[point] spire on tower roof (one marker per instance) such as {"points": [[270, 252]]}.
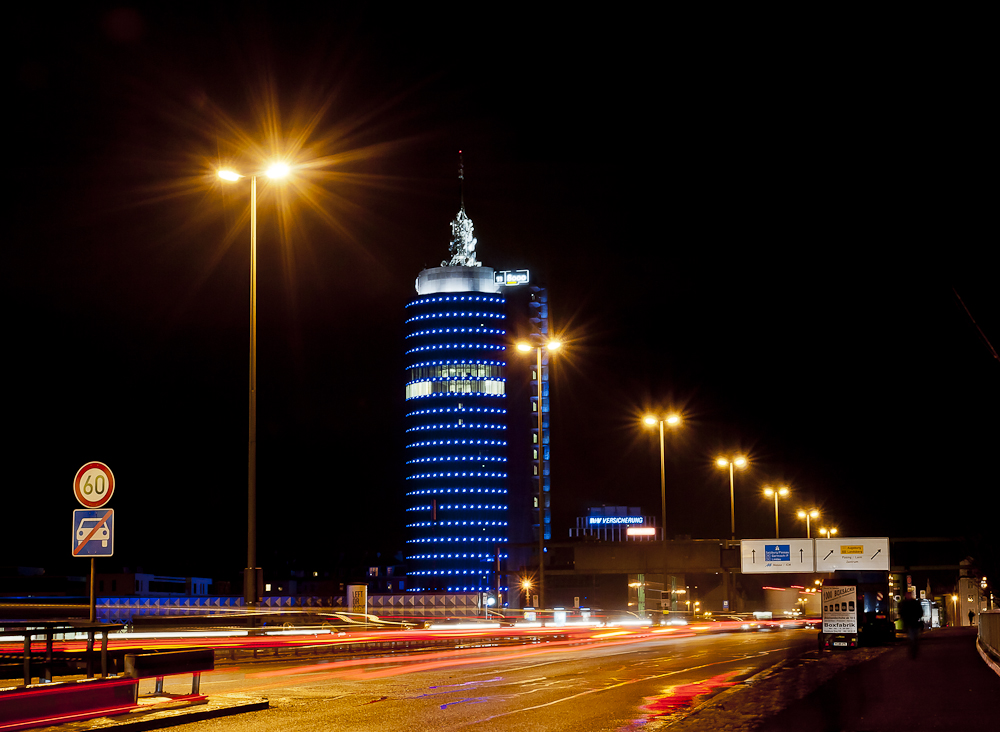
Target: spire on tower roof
{"points": [[463, 242]]}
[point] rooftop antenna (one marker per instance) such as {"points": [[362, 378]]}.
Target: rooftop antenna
{"points": [[461, 180]]}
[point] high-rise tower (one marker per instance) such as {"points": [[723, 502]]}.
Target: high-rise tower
{"points": [[468, 422]]}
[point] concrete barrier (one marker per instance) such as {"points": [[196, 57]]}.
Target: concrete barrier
{"points": [[47, 704], [989, 632]]}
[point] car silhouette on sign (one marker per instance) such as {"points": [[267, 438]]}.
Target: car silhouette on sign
{"points": [[86, 526]]}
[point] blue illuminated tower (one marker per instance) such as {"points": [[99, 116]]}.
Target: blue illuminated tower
{"points": [[456, 423], [471, 423]]}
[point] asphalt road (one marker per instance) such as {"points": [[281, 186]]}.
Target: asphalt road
{"points": [[616, 681]]}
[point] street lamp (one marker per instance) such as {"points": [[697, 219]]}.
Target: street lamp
{"points": [[550, 346], [736, 462], [808, 514], [828, 533], [250, 589], [673, 420], [783, 491]]}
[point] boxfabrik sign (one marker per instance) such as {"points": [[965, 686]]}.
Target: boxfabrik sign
{"points": [[840, 609]]}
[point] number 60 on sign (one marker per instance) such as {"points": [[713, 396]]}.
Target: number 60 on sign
{"points": [[93, 485]]}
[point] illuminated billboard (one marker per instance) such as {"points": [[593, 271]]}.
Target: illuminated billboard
{"points": [[511, 277]]}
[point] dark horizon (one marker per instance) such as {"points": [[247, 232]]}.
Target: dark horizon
{"points": [[772, 248]]}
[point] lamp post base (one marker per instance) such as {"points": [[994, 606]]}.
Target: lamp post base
{"points": [[253, 582]]}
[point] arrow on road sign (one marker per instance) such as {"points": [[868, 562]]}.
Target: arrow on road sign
{"points": [[828, 555], [875, 554]]}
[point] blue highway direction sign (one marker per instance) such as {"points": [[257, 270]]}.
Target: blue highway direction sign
{"points": [[764, 556], [93, 532]]}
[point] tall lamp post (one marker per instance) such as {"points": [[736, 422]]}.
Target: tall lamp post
{"points": [[525, 347], [809, 513], [673, 420], [783, 491], [251, 592], [735, 462], [740, 462]]}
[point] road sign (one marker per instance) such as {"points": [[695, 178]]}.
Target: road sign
{"points": [[765, 556], [93, 532], [865, 553], [93, 485]]}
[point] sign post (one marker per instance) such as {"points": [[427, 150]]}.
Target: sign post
{"points": [[93, 527]]}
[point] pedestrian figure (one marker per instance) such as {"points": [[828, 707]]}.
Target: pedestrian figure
{"points": [[972, 616], [911, 613]]}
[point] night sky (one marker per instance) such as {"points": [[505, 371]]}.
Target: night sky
{"points": [[765, 231]]}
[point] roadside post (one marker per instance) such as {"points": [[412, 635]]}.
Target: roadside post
{"points": [[93, 525]]}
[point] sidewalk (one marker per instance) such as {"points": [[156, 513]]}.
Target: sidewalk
{"points": [[947, 687]]}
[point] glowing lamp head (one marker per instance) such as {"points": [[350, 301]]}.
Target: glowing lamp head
{"points": [[650, 420], [740, 462], [553, 345], [722, 462], [673, 420], [278, 170], [230, 175], [782, 491], [524, 347], [768, 492], [813, 513], [802, 514]]}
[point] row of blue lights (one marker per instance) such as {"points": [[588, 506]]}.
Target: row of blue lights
{"points": [[457, 426], [457, 475], [456, 556], [457, 363], [457, 459], [456, 523], [452, 571], [459, 393], [472, 539], [482, 588], [442, 410], [455, 589], [457, 346], [432, 443], [493, 331], [457, 507], [435, 491], [456, 298], [499, 316]]}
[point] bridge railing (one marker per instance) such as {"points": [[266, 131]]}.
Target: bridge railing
{"points": [[989, 632]]}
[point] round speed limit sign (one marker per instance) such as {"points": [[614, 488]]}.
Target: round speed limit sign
{"points": [[93, 485]]}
